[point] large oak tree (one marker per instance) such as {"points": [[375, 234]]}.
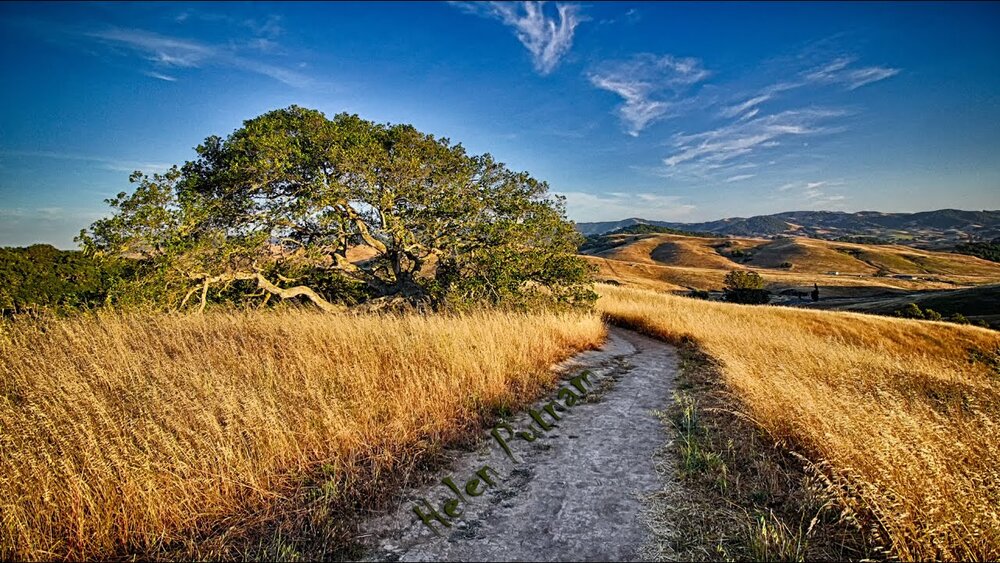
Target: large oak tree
{"points": [[342, 211]]}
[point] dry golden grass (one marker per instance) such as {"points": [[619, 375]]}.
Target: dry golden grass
{"points": [[809, 256], [128, 434], [676, 250], [894, 411], [811, 259], [679, 279]]}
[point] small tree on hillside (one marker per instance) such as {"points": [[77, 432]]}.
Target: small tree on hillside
{"points": [[745, 286], [959, 318], [910, 311]]}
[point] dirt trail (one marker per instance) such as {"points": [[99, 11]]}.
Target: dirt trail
{"points": [[575, 493]]}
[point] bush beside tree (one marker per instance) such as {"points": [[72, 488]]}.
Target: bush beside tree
{"points": [[41, 276]]}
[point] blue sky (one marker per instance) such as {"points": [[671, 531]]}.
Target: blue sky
{"points": [[673, 111]]}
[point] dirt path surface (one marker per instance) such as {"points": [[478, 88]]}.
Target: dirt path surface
{"points": [[574, 493]]}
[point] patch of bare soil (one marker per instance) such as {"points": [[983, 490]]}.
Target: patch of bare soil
{"points": [[577, 490]]}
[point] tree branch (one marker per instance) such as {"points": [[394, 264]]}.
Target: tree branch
{"points": [[186, 297], [265, 285], [204, 296], [299, 290]]}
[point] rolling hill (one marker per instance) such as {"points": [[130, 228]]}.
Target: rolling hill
{"points": [[937, 229], [668, 262]]}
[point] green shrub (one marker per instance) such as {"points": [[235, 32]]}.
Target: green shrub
{"points": [[747, 287], [911, 311], [42, 277], [958, 318]]}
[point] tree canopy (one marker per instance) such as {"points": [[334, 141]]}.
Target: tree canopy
{"points": [[745, 286], [342, 211]]}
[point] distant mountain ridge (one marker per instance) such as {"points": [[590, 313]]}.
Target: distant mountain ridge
{"points": [[944, 226]]}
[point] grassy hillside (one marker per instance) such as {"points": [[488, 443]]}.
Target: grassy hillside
{"points": [[901, 416], [805, 255], [808, 256], [673, 263], [675, 278], [673, 250], [693, 255], [146, 434]]}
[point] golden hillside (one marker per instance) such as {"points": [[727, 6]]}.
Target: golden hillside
{"points": [[673, 262], [901, 414]]}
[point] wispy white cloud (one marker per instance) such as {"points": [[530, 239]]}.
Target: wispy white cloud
{"points": [[650, 86], [583, 206], [160, 49], [839, 71], [860, 77], [741, 138], [812, 195], [750, 114], [830, 70], [167, 52], [279, 73], [816, 199], [547, 37], [751, 126], [748, 107], [153, 74], [108, 163]]}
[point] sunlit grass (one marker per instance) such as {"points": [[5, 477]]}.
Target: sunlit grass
{"points": [[903, 415], [124, 434]]}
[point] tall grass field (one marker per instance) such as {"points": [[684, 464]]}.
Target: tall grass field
{"points": [[903, 416], [126, 434]]}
